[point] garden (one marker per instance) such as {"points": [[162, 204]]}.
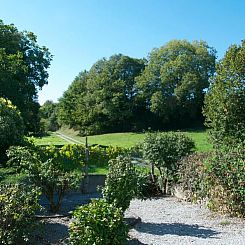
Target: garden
{"points": [[131, 126]]}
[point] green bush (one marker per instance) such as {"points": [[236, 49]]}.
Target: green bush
{"points": [[55, 171], [218, 178], [98, 223], [123, 183], [227, 181], [18, 204], [11, 126], [193, 175], [164, 150]]}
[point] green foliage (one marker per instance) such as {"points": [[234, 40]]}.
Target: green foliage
{"points": [[11, 126], [98, 223], [164, 150], [23, 70], [225, 101], [18, 204], [218, 178], [48, 114], [173, 82], [123, 183], [54, 170], [227, 174], [93, 100], [193, 176]]}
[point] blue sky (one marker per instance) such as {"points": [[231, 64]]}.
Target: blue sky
{"points": [[79, 32]]}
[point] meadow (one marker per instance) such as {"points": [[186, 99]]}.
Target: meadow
{"points": [[126, 140]]}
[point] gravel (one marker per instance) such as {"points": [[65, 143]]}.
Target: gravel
{"points": [[165, 220], [170, 221]]}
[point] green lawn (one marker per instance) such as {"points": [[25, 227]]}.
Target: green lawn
{"points": [[50, 139], [200, 138]]}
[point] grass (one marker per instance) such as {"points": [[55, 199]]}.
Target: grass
{"points": [[98, 170], [50, 139], [200, 138]]}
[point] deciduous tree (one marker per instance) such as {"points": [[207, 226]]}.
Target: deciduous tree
{"points": [[225, 101], [174, 81], [23, 71]]}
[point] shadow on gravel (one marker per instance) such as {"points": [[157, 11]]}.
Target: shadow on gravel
{"points": [[135, 242], [179, 229], [52, 233]]}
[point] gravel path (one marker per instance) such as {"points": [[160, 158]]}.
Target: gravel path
{"points": [[164, 221], [169, 221]]}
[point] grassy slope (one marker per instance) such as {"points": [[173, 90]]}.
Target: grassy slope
{"points": [[130, 139], [120, 139]]}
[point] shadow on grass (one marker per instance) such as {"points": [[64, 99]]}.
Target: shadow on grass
{"points": [[178, 229]]}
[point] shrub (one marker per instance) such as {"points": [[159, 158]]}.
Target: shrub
{"points": [[18, 204], [123, 183], [98, 223], [164, 150], [227, 181], [11, 126], [192, 176], [50, 169]]}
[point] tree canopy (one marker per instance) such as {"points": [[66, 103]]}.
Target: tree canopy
{"points": [[103, 99], [23, 71], [124, 94], [225, 101], [174, 81]]}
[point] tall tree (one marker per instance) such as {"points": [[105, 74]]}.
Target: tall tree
{"points": [[23, 71], [103, 99], [225, 101], [112, 91], [72, 108], [174, 81]]}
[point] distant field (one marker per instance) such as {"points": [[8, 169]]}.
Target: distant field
{"points": [[50, 139], [119, 139]]}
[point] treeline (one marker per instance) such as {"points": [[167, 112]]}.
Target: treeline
{"points": [[121, 93]]}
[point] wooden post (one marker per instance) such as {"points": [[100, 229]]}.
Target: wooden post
{"points": [[86, 178]]}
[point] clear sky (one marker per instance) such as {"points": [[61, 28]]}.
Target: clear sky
{"points": [[79, 32]]}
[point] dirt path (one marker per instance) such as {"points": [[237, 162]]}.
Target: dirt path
{"points": [[68, 139]]}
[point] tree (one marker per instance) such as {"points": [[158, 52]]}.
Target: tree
{"points": [[23, 70], [103, 99], [72, 109], [54, 170], [225, 101], [164, 150], [174, 81], [111, 92], [11, 126], [48, 114]]}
